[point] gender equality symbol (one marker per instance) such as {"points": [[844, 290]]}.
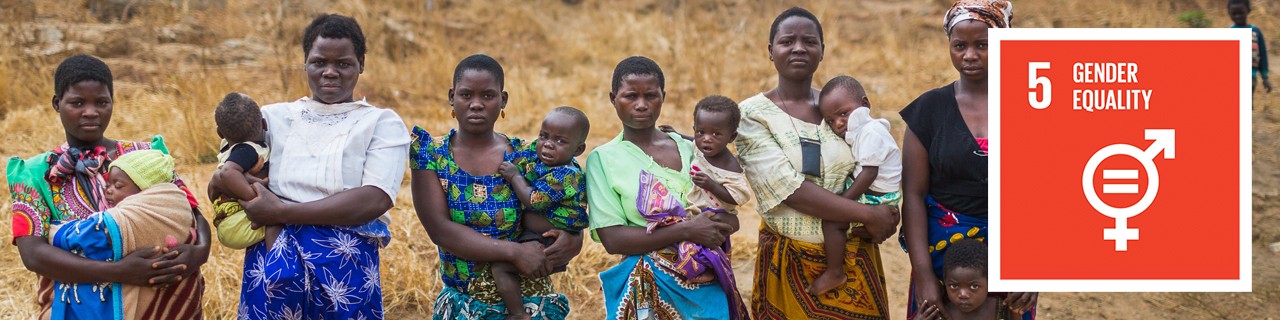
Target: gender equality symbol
{"points": [[1122, 234]]}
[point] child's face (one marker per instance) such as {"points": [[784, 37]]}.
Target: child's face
{"points": [[477, 101], [1239, 14], [835, 108], [966, 288], [712, 132], [559, 140], [119, 186]]}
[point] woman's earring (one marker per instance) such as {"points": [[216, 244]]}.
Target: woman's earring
{"points": [[453, 114], [502, 113]]}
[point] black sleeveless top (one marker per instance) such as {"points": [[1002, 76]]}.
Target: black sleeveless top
{"points": [[957, 166]]}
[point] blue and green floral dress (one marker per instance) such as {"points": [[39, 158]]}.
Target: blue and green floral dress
{"points": [[487, 205]]}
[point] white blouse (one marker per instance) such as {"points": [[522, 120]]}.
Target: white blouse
{"points": [[318, 150]]}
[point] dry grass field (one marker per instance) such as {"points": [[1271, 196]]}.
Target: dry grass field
{"points": [[174, 60]]}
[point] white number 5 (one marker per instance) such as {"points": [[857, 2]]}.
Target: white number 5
{"points": [[1033, 81]]}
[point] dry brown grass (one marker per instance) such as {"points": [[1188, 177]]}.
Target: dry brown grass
{"points": [[554, 54]]}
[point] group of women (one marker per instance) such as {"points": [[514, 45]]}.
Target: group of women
{"points": [[338, 163]]}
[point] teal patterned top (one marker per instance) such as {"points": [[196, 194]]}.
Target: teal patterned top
{"points": [[559, 193], [484, 203]]}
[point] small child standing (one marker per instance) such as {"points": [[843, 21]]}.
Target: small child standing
{"points": [[1239, 12], [846, 109], [552, 189], [146, 211], [964, 270], [242, 161]]}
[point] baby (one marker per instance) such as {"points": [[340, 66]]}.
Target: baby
{"points": [[552, 188], [146, 211], [847, 110], [241, 162]]}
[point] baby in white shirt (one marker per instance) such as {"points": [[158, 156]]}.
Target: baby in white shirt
{"points": [[847, 110]]}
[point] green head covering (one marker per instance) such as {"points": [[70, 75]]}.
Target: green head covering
{"points": [[146, 167]]}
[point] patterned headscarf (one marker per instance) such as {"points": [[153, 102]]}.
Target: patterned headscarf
{"points": [[994, 13]]}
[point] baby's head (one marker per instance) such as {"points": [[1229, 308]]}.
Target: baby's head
{"points": [[838, 98], [136, 171], [965, 274], [563, 136], [715, 124], [239, 119]]}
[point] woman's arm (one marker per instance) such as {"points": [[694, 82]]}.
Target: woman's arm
{"points": [[813, 200], [433, 212], [915, 186], [135, 268], [626, 240], [347, 208]]}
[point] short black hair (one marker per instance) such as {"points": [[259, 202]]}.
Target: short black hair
{"points": [[1244, 2], [334, 26], [966, 253], [580, 120], [637, 65], [80, 68], [795, 12], [843, 82], [238, 117], [719, 104], [479, 62]]}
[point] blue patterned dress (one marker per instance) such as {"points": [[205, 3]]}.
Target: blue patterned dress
{"points": [[488, 205]]}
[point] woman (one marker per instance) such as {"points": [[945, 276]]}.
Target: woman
{"points": [[945, 157], [617, 173], [469, 210], [781, 131], [68, 184], [337, 164]]}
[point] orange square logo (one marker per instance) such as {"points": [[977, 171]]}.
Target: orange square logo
{"points": [[1120, 160]]}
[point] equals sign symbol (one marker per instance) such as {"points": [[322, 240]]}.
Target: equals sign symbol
{"points": [[1120, 188]]}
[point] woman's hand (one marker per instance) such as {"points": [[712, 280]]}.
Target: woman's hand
{"points": [[529, 260], [1021, 302], [566, 246], [261, 210], [150, 267], [928, 291], [885, 223], [705, 231]]}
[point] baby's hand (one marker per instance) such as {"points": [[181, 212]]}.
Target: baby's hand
{"points": [[508, 170], [667, 128], [702, 180]]}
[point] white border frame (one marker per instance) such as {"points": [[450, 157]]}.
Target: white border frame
{"points": [[1244, 283]]}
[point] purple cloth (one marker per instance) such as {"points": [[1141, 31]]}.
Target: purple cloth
{"points": [[661, 209]]}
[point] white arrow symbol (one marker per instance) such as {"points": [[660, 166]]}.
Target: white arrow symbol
{"points": [[1163, 143]]}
